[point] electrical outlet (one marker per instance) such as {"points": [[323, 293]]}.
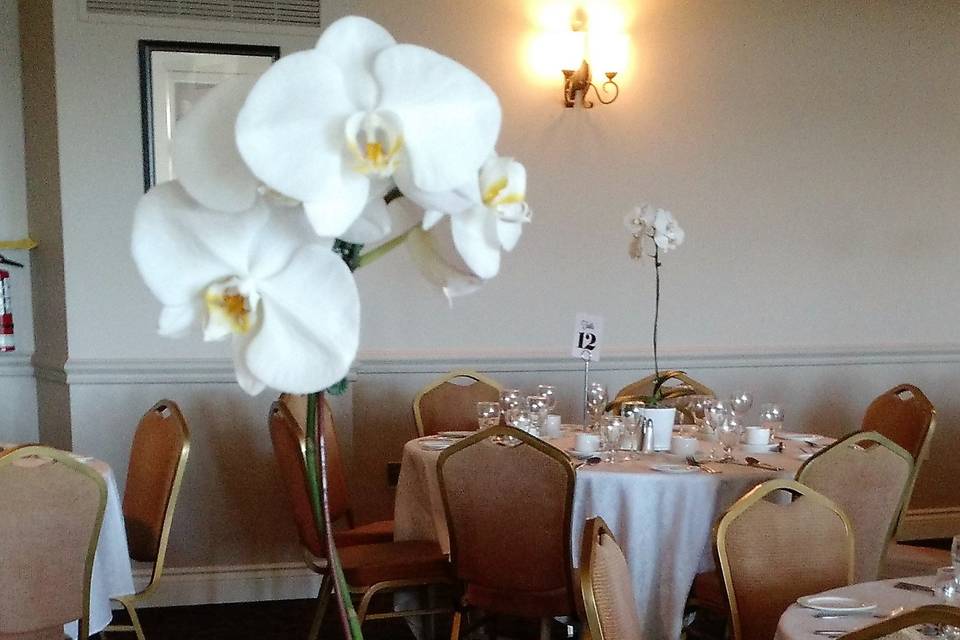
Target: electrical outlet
{"points": [[393, 473]]}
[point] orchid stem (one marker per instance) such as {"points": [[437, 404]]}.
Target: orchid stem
{"points": [[656, 312], [378, 252]]}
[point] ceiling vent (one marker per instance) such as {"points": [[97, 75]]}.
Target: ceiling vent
{"points": [[304, 13]]}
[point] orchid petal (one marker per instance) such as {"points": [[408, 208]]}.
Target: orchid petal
{"points": [[352, 42], [175, 320], [450, 117], [290, 130], [205, 156], [373, 224], [509, 234], [475, 237], [437, 260], [245, 378], [431, 218], [333, 211], [451, 201], [310, 324]]}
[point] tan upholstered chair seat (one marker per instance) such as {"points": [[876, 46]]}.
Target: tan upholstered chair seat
{"points": [[368, 564], [370, 533]]}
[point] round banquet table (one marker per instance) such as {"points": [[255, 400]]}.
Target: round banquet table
{"points": [[799, 623], [112, 574], [662, 521]]}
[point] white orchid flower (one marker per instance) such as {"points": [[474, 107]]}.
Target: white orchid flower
{"points": [[485, 216], [640, 219], [666, 232], [327, 126], [260, 276]]}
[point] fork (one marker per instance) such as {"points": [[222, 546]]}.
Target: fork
{"points": [[696, 463]]}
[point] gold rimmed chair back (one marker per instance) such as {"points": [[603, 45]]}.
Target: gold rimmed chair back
{"points": [[867, 476], [677, 384], [369, 568], [50, 518], [939, 614], [450, 403], [158, 457], [508, 509], [904, 415], [606, 586], [770, 553]]}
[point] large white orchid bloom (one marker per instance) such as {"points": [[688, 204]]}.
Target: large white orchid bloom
{"points": [[326, 126], [260, 276], [485, 216]]}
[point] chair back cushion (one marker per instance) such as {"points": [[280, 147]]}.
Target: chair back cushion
{"points": [[160, 447], [772, 553], [508, 512], [450, 404], [606, 586], [902, 414], [337, 493], [50, 517], [867, 476]]}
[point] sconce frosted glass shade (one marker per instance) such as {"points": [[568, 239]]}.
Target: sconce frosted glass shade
{"points": [[608, 52], [571, 49]]}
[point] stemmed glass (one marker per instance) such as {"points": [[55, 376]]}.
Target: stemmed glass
{"points": [[946, 589], [596, 403], [715, 416], [510, 405], [611, 428], [631, 421], [955, 554], [537, 408], [740, 403], [488, 414], [549, 392], [729, 434], [771, 417]]}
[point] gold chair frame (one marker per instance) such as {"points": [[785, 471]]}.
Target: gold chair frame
{"points": [[755, 495], [476, 376], [525, 439], [131, 601], [924, 452], [62, 457], [877, 439], [927, 614]]}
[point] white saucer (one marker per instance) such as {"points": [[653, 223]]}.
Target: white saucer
{"points": [[836, 604], [792, 435], [674, 468], [456, 434], [582, 455], [758, 448], [436, 444]]}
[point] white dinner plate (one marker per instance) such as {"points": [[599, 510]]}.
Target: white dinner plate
{"points": [[758, 448], [792, 435], [456, 434], [674, 468], [582, 455], [436, 444], [836, 604]]}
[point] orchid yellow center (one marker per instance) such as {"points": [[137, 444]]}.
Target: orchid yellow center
{"points": [[504, 199], [231, 308], [374, 141]]}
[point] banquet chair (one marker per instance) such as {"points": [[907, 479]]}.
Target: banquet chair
{"points": [[771, 553], [927, 614], [158, 457], [867, 476], [369, 569], [643, 389], [50, 518], [337, 489], [608, 602], [508, 503], [447, 405]]}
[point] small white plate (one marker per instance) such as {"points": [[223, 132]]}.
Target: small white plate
{"points": [[792, 435], [804, 456], [674, 468], [758, 448], [436, 444], [456, 434], [836, 604], [582, 455]]}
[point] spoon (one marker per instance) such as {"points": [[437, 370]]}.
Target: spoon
{"points": [[592, 460], [753, 462], [696, 463]]}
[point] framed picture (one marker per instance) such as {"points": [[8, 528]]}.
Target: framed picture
{"points": [[173, 76]]}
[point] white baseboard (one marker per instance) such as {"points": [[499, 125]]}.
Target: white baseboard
{"points": [[219, 585], [929, 524]]}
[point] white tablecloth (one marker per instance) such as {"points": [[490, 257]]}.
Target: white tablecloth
{"points": [[798, 623], [112, 574], [662, 521]]}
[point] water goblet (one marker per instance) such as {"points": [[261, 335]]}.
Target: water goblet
{"points": [[740, 403], [946, 589], [771, 417], [549, 392], [955, 553], [537, 408], [611, 427], [628, 439], [510, 405], [488, 414], [729, 435], [596, 403]]}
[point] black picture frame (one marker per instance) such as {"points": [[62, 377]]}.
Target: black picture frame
{"points": [[147, 50]]}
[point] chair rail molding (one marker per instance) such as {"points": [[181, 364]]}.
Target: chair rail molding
{"points": [[16, 366]]}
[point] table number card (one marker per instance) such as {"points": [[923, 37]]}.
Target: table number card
{"points": [[587, 337]]}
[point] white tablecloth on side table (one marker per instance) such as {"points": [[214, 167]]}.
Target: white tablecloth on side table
{"points": [[662, 521], [112, 574], [799, 623]]}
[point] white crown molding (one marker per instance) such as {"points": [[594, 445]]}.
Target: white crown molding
{"points": [[13, 365], [90, 371]]}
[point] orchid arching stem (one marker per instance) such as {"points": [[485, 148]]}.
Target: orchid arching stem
{"points": [[656, 312], [378, 252]]}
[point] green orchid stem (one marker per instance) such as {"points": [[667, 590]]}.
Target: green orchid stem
{"points": [[384, 249], [316, 451]]}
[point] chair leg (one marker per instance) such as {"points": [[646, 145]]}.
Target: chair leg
{"points": [[455, 625], [323, 597], [134, 620], [545, 628]]}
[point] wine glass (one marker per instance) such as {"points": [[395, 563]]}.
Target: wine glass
{"points": [[946, 589], [488, 414], [596, 403], [510, 405], [955, 553], [771, 417], [740, 403], [537, 408], [729, 435], [549, 392], [611, 428], [715, 415], [631, 422]]}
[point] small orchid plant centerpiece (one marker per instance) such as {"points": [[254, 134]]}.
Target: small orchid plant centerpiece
{"points": [[284, 180], [646, 224]]}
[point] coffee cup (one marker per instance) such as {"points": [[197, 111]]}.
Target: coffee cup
{"points": [[551, 427], [683, 445], [587, 443], [756, 435]]}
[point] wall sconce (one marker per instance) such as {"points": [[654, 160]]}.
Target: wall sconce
{"points": [[577, 83]]}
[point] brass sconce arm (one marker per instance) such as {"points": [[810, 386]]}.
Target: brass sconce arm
{"points": [[580, 82]]}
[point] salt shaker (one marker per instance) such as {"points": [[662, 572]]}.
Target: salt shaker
{"points": [[647, 435]]}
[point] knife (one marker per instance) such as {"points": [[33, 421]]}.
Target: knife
{"points": [[910, 586]]}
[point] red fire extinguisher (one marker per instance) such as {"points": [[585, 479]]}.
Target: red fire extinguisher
{"points": [[6, 313]]}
